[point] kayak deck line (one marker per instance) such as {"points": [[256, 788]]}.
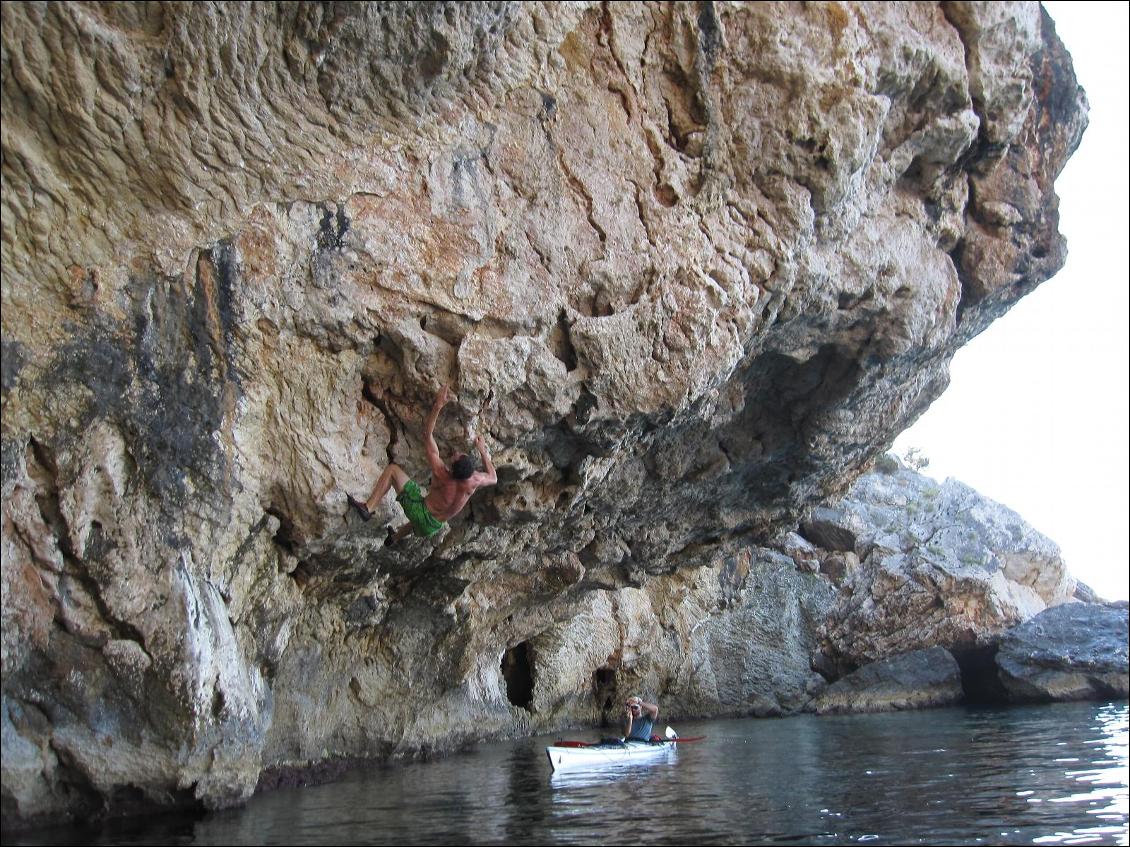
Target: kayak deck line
{"points": [[620, 741]]}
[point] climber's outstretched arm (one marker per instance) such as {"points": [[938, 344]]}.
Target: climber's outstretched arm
{"points": [[439, 469], [487, 476]]}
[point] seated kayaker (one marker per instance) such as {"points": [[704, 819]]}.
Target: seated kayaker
{"points": [[638, 719]]}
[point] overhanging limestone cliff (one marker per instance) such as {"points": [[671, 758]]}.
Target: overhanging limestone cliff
{"points": [[688, 267]]}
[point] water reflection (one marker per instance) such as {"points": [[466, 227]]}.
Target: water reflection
{"points": [[1044, 774]]}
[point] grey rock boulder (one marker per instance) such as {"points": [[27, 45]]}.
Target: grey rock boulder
{"points": [[931, 564], [1072, 652], [919, 679]]}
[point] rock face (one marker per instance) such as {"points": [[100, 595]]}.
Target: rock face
{"points": [[688, 267], [916, 680], [922, 564], [1073, 652]]}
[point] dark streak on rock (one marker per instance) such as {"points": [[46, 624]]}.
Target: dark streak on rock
{"points": [[709, 31], [166, 388], [252, 533], [76, 567], [332, 229], [12, 362]]}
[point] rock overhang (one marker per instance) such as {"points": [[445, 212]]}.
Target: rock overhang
{"points": [[689, 268]]}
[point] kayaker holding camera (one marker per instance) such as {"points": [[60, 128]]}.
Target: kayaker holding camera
{"points": [[638, 718]]}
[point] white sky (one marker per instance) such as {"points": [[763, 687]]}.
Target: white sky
{"points": [[1036, 413]]}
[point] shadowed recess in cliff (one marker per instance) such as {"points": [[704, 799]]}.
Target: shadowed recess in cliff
{"points": [[980, 679], [764, 449], [604, 690], [518, 671]]}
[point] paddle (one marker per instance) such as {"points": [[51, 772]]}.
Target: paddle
{"points": [[598, 743]]}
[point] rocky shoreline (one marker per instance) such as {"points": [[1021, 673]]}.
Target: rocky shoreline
{"points": [[1068, 650]]}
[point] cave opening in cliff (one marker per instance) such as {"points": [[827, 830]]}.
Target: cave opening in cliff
{"points": [[286, 536], [518, 671], [604, 688], [980, 680]]}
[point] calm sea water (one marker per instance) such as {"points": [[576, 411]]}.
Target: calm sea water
{"points": [[1029, 775]]}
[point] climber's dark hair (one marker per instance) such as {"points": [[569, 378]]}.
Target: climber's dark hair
{"points": [[463, 467]]}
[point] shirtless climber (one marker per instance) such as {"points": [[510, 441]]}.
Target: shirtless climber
{"points": [[450, 490]]}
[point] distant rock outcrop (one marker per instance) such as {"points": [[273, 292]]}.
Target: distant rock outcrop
{"points": [[929, 565], [688, 267]]}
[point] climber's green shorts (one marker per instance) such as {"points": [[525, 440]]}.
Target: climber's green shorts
{"points": [[423, 524]]}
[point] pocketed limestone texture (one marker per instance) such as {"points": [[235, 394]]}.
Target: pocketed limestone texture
{"points": [[688, 267]]}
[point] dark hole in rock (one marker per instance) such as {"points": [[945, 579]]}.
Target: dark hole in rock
{"points": [[562, 343], [602, 306], [390, 348], [287, 536], [518, 671], [666, 195], [979, 677], [548, 106], [370, 395], [826, 666], [301, 575], [582, 409], [913, 174], [604, 687], [128, 809], [97, 544]]}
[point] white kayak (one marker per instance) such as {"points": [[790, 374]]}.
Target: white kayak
{"points": [[577, 756]]}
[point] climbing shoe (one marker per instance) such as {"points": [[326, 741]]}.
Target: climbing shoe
{"points": [[361, 508]]}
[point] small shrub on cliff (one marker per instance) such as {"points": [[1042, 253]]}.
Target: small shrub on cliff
{"points": [[887, 464], [915, 459]]}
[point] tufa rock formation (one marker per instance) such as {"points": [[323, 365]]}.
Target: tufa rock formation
{"points": [[688, 267]]}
